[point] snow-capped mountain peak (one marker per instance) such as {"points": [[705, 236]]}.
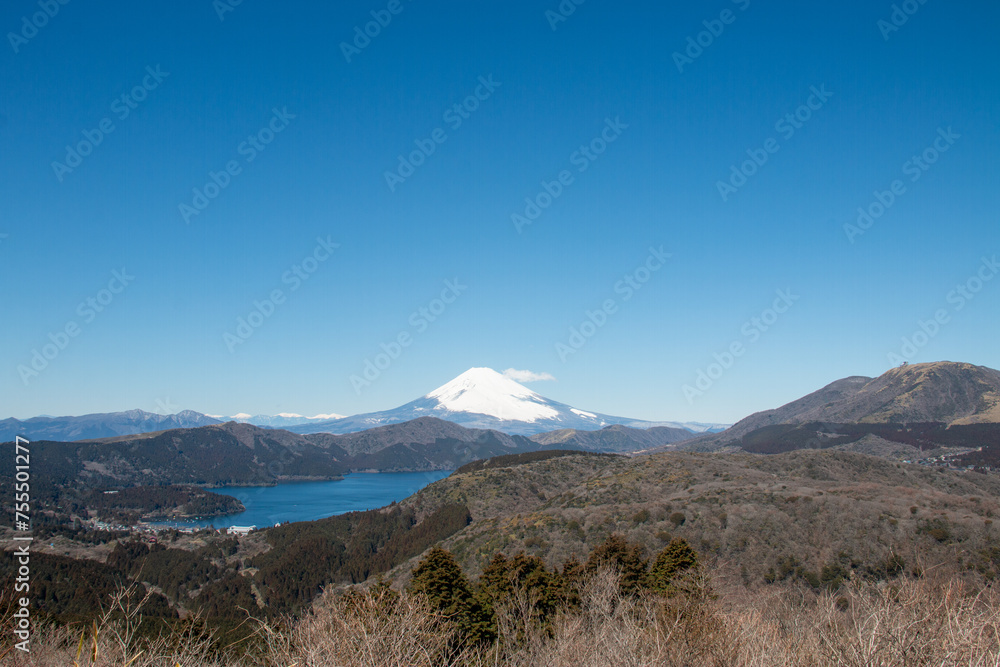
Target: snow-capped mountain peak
{"points": [[487, 392], [482, 398]]}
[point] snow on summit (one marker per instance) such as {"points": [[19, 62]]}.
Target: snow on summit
{"points": [[484, 391], [482, 398]]}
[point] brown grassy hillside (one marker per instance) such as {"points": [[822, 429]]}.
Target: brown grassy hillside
{"points": [[783, 516]]}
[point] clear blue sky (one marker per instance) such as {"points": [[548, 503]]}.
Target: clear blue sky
{"points": [[160, 341]]}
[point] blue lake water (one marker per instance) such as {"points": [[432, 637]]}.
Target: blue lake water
{"points": [[308, 501]]}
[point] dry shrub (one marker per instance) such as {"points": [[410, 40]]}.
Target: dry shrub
{"points": [[914, 624], [361, 630], [910, 623], [112, 640], [609, 629], [906, 623]]}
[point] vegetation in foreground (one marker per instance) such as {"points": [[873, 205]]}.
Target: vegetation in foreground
{"points": [[617, 608]]}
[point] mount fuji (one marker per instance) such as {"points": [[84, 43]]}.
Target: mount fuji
{"points": [[485, 399]]}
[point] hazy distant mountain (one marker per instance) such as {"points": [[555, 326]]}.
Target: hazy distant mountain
{"points": [[280, 420], [947, 393], [485, 399], [614, 438], [99, 425]]}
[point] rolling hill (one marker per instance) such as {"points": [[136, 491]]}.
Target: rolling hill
{"points": [[749, 513], [614, 438], [804, 517], [941, 400]]}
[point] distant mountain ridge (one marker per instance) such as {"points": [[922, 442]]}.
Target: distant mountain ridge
{"points": [[479, 398], [235, 454], [99, 425], [134, 422]]}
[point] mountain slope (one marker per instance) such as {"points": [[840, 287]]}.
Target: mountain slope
{"points": [[753, 513], [614, 438], [946, 393], [481, 398], [422, 431], [421, 444], [952, 393], [808, 408], [99, 425]]}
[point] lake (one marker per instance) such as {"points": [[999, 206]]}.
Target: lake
{"points": [[308, 501]]}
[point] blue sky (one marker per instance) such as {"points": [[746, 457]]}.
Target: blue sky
{"points": [[160, 340]]}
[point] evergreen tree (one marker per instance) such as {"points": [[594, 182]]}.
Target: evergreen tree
{"points": [[439, 578], [618, 553], [677, 558], [504, 577], [571, 578]]}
